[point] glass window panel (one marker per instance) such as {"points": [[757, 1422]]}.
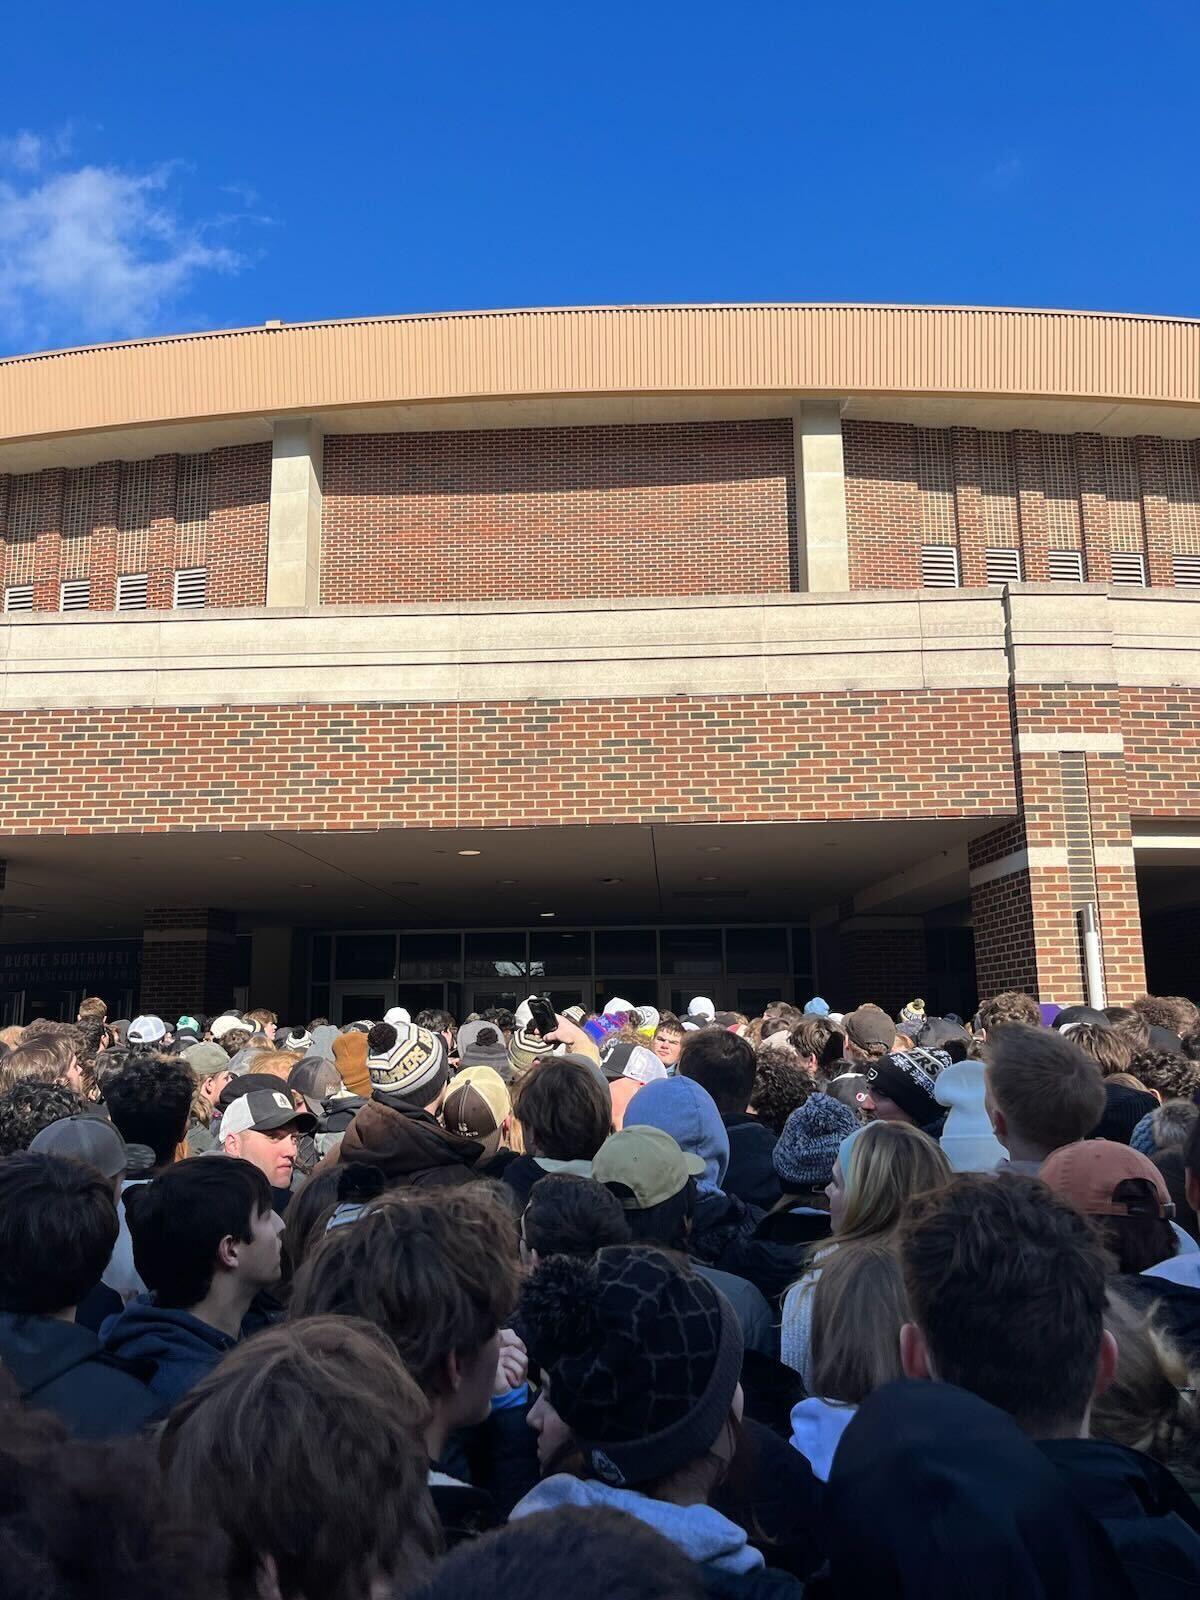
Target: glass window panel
{"points": [[801, 952], [691, 950], [361, 1007], [319, 1000], [560, 955], [755, 950], [322, 949], [430, 955], [627, 950], [495, 955], [365, 955], [638, 991], [753, 1002], [417, 997]]}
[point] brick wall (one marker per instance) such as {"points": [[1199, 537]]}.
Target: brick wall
{"points": [[1033, 492], [187, 961], [736, 758], [157, 516], [680, 508], [1162, 751]]}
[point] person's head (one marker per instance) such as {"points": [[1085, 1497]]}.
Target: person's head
{"points": [[204, 1226], [47, 1058], [1171, 1125], [1191, 1167], [1131, 1025], [1173, 1012], [1169, 1076], [28, 1107], [723, 1063], [209, 1067], [58, 1225], [1150, 1404], [264, 1128], [1004, 1009], [11, 1037], [436, 1271], [266, 1021], [478, 1105], [1109, 1049], [859, 1307], [86, 1137], [808, 1146], [314, 1079], [234, 1040], [149, 1101], [570, 1216], [409, 1062], [308, 1216], [654, 1181], [900, 1086], [1006, 1286], [668, 1041], [818, 1044], [1123, 1192], [589, 1552], [880, 1169], [565, 1110], [869, 1033], [642, 1360], [93, 1006], [304, 1448], [1042, 1091], [684, 1109], [780, 1085]]}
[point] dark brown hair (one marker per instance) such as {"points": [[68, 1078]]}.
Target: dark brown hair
{"points": [[435, 1270], [780, 1085], [572, 1216], [1171, 1011], [1007, 1284], [1012, 1005], [858, 1309], [42, 1060], [305, 1448], [1172, 1076], [1110, 1050], [93, 1006], [565, 1110], [1049, 1091], [1131, 1025]]}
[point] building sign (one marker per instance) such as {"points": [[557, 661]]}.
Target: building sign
{"points": [[71, 966]]}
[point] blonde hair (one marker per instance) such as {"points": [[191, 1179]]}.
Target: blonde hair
{"points": [[1151, 1404], [889, 1163], [859, 1306]]}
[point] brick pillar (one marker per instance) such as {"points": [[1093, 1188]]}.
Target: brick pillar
{"points": [[187, 961], [968, 502], [1156, 516], [1093, 507], [47, 555], [103, 568], [160, 558], [880, 960], [1031, 505], [1071, 845]]}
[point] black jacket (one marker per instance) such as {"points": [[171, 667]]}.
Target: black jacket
{"points": [[772, 1492], [520, 1176], [724, 1234], [751, 1172], [1178, 1308], [1153, 1526], [60, 1367], [463, 1510]]}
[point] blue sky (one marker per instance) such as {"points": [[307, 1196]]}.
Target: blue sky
{"points": [[165, 169]]}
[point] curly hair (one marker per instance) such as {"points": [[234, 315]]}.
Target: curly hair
{"points": [[28, 1107], [1012, 1005], [780, 1085], [1171, 1076], [149, 1101], [1174, 1012]]}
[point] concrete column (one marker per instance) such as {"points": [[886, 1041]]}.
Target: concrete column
{"points": [[824, 546], [294, 534]]}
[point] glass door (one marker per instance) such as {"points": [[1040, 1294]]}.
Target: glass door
{"points": [[362, 1002], [484, 996]]}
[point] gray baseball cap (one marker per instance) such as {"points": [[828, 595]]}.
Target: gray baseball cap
{"points": [[84, 1137]]}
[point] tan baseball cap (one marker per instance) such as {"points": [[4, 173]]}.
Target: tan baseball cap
{"points": [[648, 1163], [476, 1104], [1087, 1174]]}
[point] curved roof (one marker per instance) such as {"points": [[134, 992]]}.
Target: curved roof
{"points": [[646, 350]]}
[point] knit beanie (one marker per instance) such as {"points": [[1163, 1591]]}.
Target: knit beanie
{"points": [[1124, 1108], [912, 1019], [408, 1062], [967, 1140], [1142, 1138], [908, 1077], [807, 1148], [817, 1007], [643, 1357], [350, 1058], [481, 1044]]}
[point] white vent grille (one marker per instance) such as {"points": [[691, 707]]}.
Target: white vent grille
{"points": [[1128, 566], [1066, 566], [939, 566], [18, 597], [191, 586], [1003, 566], [75, 594], [1185, 571], [131, 592]]}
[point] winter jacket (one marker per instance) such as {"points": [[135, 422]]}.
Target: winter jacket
{"points": [[410, 1147], [1177, 1299], [463, 1510], [1154, 1527], [725, 1234], [795, 1333], [521, 1175], [800, 1224], [752, 1311], [773, 1494], [177, 1347], [751, 1174], [61, 1367], [817, 1429]]}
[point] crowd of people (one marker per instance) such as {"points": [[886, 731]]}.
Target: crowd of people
{"points": [[644, 1305]]}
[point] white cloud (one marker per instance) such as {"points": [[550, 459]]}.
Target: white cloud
{"points": [[92, 252]]}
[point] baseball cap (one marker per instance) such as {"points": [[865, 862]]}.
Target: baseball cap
{"points": [[84, 1137], [262, 1111], [476, 1105], [206, 1061], [226, 1024], [187, 1025], [396, 1015], [868, 1026], [646, 1161], [146, 1030], [1087, 1173]]}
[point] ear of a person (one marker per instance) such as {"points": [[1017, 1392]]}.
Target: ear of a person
{"points": [[1191, 1185], [914, 1352], [1106, 1364]]}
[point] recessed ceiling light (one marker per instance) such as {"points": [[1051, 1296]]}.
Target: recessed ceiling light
{"points": [[32, 916], [470, 852], [306, 886], [233, 858], [708, 878], [506, 883], [713, 849], [405, 883], [546, 913]]}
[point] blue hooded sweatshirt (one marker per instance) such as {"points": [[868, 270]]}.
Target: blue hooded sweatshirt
{"points": [[686, 1110], [181, 1348]]}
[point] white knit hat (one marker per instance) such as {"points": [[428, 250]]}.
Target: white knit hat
{"points": [[967, 1141]]}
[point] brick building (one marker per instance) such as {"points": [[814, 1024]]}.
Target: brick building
{"points": [[742, 651]]}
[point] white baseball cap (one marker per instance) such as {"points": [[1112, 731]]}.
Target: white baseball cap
{"points": [[261, 1111], [146, 1030], [226, 1024]]}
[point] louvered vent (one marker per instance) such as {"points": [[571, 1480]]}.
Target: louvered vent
{"points": [[131, 592], [18, 597], [191, 586], [1003, 566], [939, 566], [1066, 566], [1185, 571], [1129, 566], [75, 594]]}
